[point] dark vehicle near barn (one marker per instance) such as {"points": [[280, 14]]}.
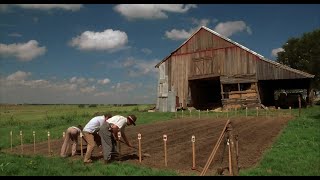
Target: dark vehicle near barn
{"points": [[286, 100]]}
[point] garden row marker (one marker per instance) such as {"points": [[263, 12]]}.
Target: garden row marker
{"points": [[299, 99], [81, 145], [139, 140], [165, 149], [229, 150], [199, 113], [246, 111], [34, 142], [290, 110], [257, 108], [193, 140], [182, 113], [49, 148], [190, 112], [11, 140], [119, 138], [207, 112], [21, 142], [278, 111]]}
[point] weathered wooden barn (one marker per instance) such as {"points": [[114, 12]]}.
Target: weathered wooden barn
{"points": [[209, 70]]}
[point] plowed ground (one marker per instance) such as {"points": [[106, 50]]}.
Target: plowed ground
{"points": [[255, 136]]}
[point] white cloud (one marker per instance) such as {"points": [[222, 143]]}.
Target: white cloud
{"points": [[151, 11], [79, 81], [182, 34], [68, 7], [109, 40], [137, 67], [15, 35], [104, 81], [125, 87], [88, 89], [22, 51], [231, 27], [146, 50], [274, 52], [18, 76]]}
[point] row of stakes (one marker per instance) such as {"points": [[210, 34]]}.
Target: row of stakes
{"points": [[165, 138], [257, 112]]}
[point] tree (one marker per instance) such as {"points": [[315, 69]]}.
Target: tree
{"points": [[303, 54]]}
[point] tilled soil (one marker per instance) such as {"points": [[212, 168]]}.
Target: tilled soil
{"points": [[255, 135]]}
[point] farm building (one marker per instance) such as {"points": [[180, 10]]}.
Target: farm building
{"points": [[209, 70]]}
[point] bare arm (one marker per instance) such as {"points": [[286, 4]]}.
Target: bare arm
{"points": [[123, 134]]}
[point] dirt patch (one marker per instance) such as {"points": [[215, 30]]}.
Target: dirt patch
{"points": [[255, 136]]}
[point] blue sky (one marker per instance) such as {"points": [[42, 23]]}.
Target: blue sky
{"points": [[106, 53]]}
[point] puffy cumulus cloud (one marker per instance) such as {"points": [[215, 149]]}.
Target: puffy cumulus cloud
{"points": [[18, 76], [109, 40], [274, 52], [104, 81], [151, 11], [231, 27], [22, 51], [181, 34], [68, 7]]}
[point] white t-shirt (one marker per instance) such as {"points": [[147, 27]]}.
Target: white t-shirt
{"points": [[118, 120], [94, 124]]}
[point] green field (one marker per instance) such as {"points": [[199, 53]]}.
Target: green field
{"points": [[296, 152]]}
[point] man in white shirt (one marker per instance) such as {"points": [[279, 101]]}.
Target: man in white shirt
{"points": [[109, 133], [90, 133]]}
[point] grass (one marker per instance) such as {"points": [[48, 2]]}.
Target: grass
{"points": [[13, 165], [296, 151]]}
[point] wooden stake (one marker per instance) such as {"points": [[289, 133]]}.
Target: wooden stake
{"points": [[299, 99], [278, 111], [230, 164], [207, 112], [193, 140], [199, 113], [11, 140], [49, 147], [257, 108], [119, 147], [81, 144], [139, 141], [246, 111], [21, 142], [34, 142], [182, 113], [165, 149], [290, 110], [190, 112]]}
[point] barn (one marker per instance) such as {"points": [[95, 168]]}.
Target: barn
{"points": [[209, 70]]}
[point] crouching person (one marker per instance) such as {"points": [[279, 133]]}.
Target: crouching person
{"points": [[71, 135]]}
